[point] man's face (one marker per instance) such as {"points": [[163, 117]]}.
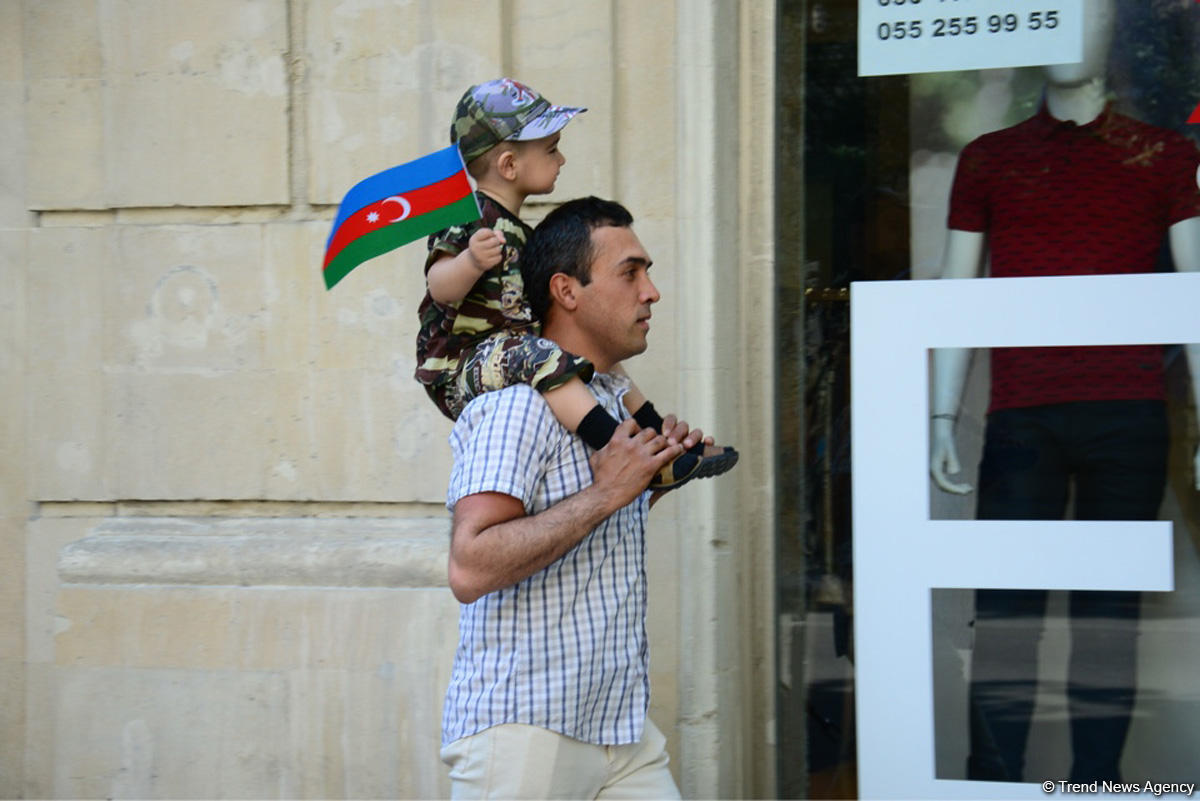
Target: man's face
{"points": [[614, 307]]}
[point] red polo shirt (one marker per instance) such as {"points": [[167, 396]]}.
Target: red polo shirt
{"points": [[1056, 198]]}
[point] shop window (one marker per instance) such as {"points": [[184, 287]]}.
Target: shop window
{"points": [[1028, 686]]}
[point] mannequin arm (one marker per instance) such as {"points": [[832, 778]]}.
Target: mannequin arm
{"points": [[949, 374], [963, 259], [1185, 250]]}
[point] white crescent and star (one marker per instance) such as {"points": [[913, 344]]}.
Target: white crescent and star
{"points": [[405, 206]]}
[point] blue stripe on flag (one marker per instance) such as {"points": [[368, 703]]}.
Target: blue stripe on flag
{"points": [[398, 180]]}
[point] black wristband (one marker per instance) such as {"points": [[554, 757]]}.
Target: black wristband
{"points": [[647, 417]]}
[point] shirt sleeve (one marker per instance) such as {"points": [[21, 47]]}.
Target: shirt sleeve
{"points": [[449, 242], [1185, 178], [498, 445], [968, 197]]}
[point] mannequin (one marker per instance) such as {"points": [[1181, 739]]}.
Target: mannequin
{"points": [[1074, 92], [1056, 416]]}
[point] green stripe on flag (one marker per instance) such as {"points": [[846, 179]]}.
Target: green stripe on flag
{"points": [[392, 236]]}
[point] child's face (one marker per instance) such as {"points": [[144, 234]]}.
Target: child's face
{"points": [[538, 162]]}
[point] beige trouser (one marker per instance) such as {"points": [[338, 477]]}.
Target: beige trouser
{"points": [[518, 761]]}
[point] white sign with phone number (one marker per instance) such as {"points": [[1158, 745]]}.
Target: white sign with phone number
{"points": [[904, 36]]}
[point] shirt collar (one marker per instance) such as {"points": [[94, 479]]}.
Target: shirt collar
{"points": [[1046, 125], [610, 383]]}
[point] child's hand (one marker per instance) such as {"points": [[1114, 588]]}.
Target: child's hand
{"points": [[486, 248]]}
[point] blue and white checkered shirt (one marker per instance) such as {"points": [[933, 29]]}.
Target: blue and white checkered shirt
{"points": [[566, 648]]}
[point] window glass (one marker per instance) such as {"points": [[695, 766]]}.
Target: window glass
{"points": [[1020, 172]]}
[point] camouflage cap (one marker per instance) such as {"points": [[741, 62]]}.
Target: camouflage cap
{"points": [[503, 110]]}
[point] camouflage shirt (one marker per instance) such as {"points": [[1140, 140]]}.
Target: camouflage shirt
{"points": [[497, 300]]}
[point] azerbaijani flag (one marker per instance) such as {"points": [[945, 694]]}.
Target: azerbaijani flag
{"points": [[396, 207]]}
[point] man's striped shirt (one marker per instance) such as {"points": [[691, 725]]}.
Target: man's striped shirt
{"points": [[566, 648]]}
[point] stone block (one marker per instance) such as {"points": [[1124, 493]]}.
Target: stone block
{"points": [[182, 336], [188, 142], [208, 434], [247, 693], [209, 299], [643, 113], [45, 539], [14, 495], [380, 437], [12, 588], [65, 129], [12, 727], [261, 552], [67, 392], [291, 289], [12, 68], [68, 448], [369, 320], [384, 79], [663, 544], [370, 735], [221, 734], [198, 94], [168, 734], [658, 370], [565, 51], [65, 279], [62, 39], [13, 211], [254, 629], [13, 253], [184, 104], [38, 751]]}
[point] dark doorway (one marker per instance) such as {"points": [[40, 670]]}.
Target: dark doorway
{"points": [[843, 215]]}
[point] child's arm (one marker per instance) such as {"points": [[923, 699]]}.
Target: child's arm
{"points": [[450, 278]]}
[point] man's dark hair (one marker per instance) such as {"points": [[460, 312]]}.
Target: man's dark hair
{"points": [[562, 243]]}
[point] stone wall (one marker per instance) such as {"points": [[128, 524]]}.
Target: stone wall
{"points": [[221, 528]]}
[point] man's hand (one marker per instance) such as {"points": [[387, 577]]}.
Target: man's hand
{"points": [[676, 430], [622, 469], [494, 544], [486, 248]]}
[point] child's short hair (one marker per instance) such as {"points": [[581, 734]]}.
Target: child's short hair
{"points": [[479, 166], [503, 110]]}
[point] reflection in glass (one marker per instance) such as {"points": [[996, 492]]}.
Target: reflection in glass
{"points": [[877, 159], [1078, 188], [1032, 685]]}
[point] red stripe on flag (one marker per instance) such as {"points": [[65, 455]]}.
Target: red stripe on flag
{"points": [[392, 209], [1195, 118]]}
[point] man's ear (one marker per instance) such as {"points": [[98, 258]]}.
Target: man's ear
{"points": [[564, 291]]}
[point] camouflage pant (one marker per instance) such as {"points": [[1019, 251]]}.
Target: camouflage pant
{"points": [[502, 360]]}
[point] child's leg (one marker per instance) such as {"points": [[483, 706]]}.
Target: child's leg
{"points": [[558, 376], [576, 408], [633, 399], [647, 416]]}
